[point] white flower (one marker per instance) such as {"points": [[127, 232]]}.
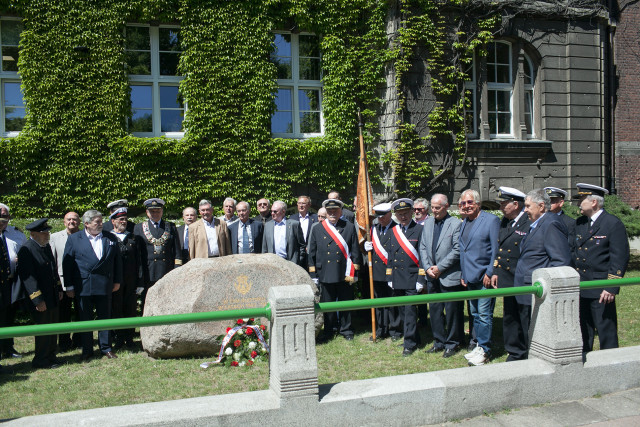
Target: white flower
{"points": [[228, 351], [241, 363], [236, 356], [263, 350], [252, 345], [239, 332]]}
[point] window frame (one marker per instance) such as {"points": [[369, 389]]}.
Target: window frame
{"points": [[156, 80], [518, 89], [296, 84], [8, 77]]}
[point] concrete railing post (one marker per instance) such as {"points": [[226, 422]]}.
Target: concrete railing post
{"points": [[555, 321], [293, 364]]}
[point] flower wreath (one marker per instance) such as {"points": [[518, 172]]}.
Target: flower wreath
{"points": [[249, 345]]}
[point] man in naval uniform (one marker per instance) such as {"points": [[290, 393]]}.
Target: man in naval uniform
{"points": [[160, 244], [601, 251], [333, 265], [113, 206], [404, 274], [514, 226], [558, 196]]}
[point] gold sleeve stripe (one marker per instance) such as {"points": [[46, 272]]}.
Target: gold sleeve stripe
{"points": [[421, 272], [35, 295], [178, 262], [389, 271], [613, 276], [312, 269]]}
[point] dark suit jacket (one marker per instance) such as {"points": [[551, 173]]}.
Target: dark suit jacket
{"points": [[379, 267], [510, 242], [257, 230], [183, 251], [601, 251], [326, 260], [296, 249], [447, 250], [401, 269], [570, 223], [478, 254], [87, 274], [545, 246], [349, 215], [39, 275], [157, 265], [313, 218]]}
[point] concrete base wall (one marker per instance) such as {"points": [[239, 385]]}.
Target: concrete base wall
{"points": [[405, 400]]}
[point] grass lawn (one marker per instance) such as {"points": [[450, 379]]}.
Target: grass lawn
{"points": [[136, 378]]}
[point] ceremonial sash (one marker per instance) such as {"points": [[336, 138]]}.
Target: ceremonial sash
{"points": [[339, 240], [404, 243], [377, 246]]}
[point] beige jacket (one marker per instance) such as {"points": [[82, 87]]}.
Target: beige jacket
{"points": [[199, 244]]}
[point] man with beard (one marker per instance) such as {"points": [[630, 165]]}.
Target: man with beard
{"points": [[333, 265], [39, 276]]}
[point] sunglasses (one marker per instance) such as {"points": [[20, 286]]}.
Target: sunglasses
{"points": [[467, 203], [418, 209]]}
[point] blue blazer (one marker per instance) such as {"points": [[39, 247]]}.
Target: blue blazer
{"points": [[545, 246], [477, 254], [256, 235], [84, 271]]}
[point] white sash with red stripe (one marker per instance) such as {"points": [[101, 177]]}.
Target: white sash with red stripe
{"points": [[339, 240], [377, 246], [404, 243]]}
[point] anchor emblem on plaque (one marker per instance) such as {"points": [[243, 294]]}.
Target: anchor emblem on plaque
{"points": [[242, 284]]}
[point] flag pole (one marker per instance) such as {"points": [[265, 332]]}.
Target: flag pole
{"points": [[367, 204]]}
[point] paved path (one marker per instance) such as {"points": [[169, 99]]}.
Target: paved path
{"points": [[620, 409]]}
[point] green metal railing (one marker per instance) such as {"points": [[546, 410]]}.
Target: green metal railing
{"points": [[209, 316]]}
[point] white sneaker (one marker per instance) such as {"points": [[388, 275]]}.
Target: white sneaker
{"points": [[472, 353], [480, 358]]}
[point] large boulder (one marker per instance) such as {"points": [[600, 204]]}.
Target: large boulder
{"points": [[214, 284]]}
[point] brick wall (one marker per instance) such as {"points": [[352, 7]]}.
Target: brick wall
{"points": [[627, 111]]}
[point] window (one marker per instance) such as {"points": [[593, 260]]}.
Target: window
{"points": [[505, 94], [299, 98], [152, 55], [13, 108]]}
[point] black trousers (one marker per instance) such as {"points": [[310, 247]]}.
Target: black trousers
{"points": [[341, 291], [102, 304], [124, 304], [516, 319], [409, 317], [7, 318], [45, 351], [383, 315], [68, 306], [447, 318], [601, 317]]}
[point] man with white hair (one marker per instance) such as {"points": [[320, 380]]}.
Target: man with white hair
{"points": [[13, 239], [229, 208], [601, 252], [209, 236]]}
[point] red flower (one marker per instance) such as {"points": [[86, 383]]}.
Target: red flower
{"points": [[251, 320], [239, 322], [249, 331], [237, 343], [263, 327], [234, 363], [249, 362], [228, 329], [254, 354]]}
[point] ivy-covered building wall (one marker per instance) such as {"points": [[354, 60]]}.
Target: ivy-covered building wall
{"points": [[454, 94]]}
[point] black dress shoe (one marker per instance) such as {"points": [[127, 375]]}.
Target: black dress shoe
{"points": [[408, 352], [450, 352], [435, 349], [348, 337], [87, 357], [12, 353], [396, 337], [110, 355]]}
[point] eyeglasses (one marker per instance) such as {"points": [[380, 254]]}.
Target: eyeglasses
{"points": [[275, 210], [467, 203], [418, 209]]}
